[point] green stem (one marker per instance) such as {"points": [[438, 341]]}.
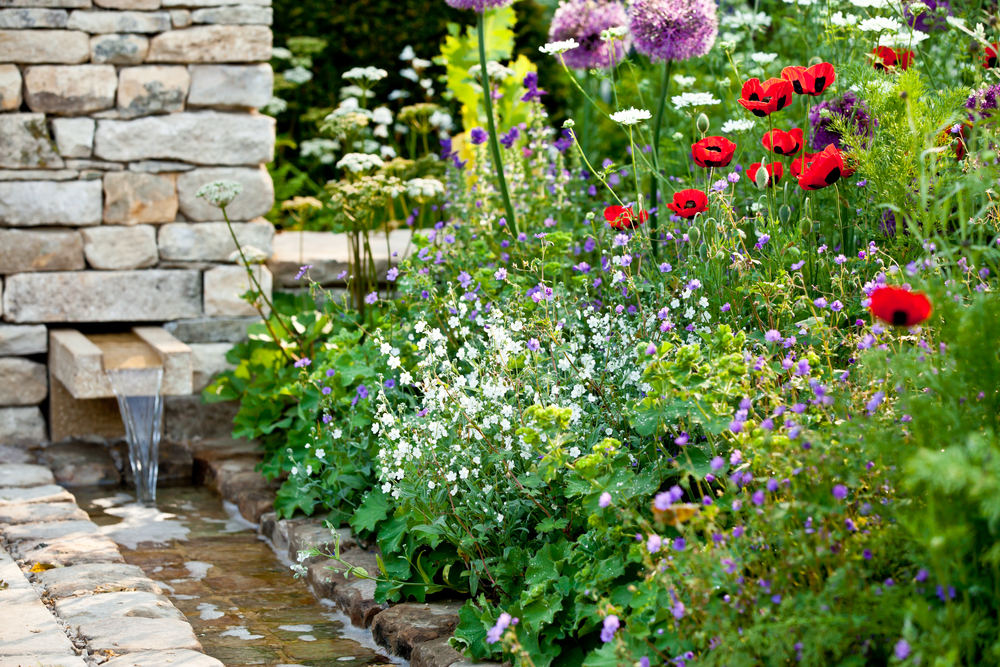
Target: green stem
{"points": [[494, 146], [653, 204]]}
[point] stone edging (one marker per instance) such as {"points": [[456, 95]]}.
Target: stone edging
{"points": [[92, 608], [416, 632]]}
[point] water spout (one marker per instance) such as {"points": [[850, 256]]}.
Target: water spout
{"points": [[138, 393]]}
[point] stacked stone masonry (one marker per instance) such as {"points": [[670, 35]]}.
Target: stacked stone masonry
{"points": [[113, 113]]}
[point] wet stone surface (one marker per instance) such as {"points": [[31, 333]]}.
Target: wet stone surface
{"points": [[244, 605]]}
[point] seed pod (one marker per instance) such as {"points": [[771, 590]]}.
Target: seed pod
{"points": [[694, 234], [794, 252], [703, 123], [784, 214], [761, 180], [815, 60], [805, 226], [703, 253], [720, 255]]}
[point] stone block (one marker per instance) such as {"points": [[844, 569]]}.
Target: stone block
{"points": [[435, 653], [203, 330], [253, 503], [26, 142], [159, 166], [23, 339], [29, 633], [152, 89], [45, 46], [23, 250], [70, 90], [129, 635], [136, 5], [119, 49], [15, 515], [49, 530], [24, 475], [95, 578], [205, 137], [329, 255], [181, 18], [81, 464], [21, 19], [64, 4], [234, 15], [103, 296], [10, 87], [175, 358], [69, 551], [98, 22], [211, 241], [357, 599], [38, 203], [120, 249], [212, 44], [15, 454], [186, 418], [214, 3], [402, 627], [74, 136], [94, 166], [70, 417], [207, 361], [255, 200], [133, 197], [48, 493], [225, 284], [22, 382], [21, 426], [126, 604], [231, 85], [179, 658], [39, 174]]}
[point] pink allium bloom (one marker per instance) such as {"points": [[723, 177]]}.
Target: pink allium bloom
{"points": [[584, 21], [478, 5], [674, 29]]}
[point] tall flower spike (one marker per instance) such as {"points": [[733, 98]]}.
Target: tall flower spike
{"points": [[674, 29], [479, 6], [584, 21]]}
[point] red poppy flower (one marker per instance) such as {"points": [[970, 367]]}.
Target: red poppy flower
{"points": [[801, 163], [774, 173], [810, 80], [688, 203], [763, 99], [713, 152], [900, 307], [783, 143], [825, 169], [622, 217], [888, 58], [990, 59]]}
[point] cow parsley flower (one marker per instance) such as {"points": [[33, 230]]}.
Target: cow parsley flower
{"points": [[685, 100], [365, 74], [555, 48], [220, 193], [359, 162], [631, 116], [737, 125]]}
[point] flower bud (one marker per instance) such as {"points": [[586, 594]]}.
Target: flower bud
{"points": [[694, 234], [805, 227], [569, 124], [784, 214], [703, 123], [815, 60], [761, 180]]}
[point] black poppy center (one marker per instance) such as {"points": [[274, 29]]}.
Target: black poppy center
{"points": [[690, 203], [900, 317], [820, 84], [714, 149], [992, 62], [833, 176], [797, 85], [754, 97]]}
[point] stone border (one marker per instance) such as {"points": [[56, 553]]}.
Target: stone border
{"points": [[416, 632], [91, 605]]}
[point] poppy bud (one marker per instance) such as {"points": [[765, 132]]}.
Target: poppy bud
{"points": [[703, 253], [794, 252], [761, 180], [720, 255], [694, 234], [815, 60], [703, 123], [784, 214], [806, 226]]}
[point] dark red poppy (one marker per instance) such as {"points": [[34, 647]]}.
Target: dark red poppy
{"points": [[774, 173], [713, 152], [688, 203], [623, 217], [801, 163], [825, 169], [763, 99], [887, 57], [899, 307], [990, 58], [783, 143], [810, 80]]}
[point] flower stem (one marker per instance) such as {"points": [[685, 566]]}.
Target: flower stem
{"points": [[494, 146], [653, 205]]}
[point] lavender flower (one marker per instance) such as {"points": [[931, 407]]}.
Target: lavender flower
{"points": [[530, 83], [584, 21], [478, 5], [477, 136], [848, 107], [674, 29]]}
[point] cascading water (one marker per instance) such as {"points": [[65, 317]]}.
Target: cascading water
{"points": [[138, 393]]}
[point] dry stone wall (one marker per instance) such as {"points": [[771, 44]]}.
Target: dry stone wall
{"points": [[113, 113]]}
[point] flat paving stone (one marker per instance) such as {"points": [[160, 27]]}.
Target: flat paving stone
{"points": [[133, 604], [163, 659], [69, 551], [128, 635], [12, 515], [402, 627], [49, 530], [48, 493], [28, 629], [95, 578], [48, 661], [24, 475]]}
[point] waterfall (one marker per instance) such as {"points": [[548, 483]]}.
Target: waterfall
{"points": [[138, 393]]}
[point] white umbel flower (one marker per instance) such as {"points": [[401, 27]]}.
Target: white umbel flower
{"points": [[763, 58], [366, 73], [737, 125], [631, 116], [424, 187], [554, 48], [220, 193], [359, 162], [880, 24], [685, 100]]}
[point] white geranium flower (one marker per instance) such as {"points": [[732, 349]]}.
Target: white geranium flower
{"points": [[685, 100], [554, 48], [631, 116], [737, 125], [365, 73], [359, 162]]}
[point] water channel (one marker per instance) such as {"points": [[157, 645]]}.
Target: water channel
{"points": [[244, 604]]}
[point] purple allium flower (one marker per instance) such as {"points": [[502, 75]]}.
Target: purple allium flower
{"points": [[848, 107], [674, 29], [584, 21], [611, 626], [478, 5], [478, 135], [604, 500], [931, 18]]}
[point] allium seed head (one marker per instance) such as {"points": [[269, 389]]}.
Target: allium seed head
{"points": [[674, 29], [584, 21]]}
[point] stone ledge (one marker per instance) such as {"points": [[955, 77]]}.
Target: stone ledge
{"points": [[95, 578], [15, 515], [402, 627], [24, 475]]}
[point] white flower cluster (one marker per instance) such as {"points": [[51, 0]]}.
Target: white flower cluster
{"points": [[494, 70], [424, 188], [555, 48], [220, 193], [365, 74], [737, 125], [631, 116], [359, 162], [686, 100]]}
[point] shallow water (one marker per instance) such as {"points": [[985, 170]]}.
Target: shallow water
{"points": [[243, 603]]}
